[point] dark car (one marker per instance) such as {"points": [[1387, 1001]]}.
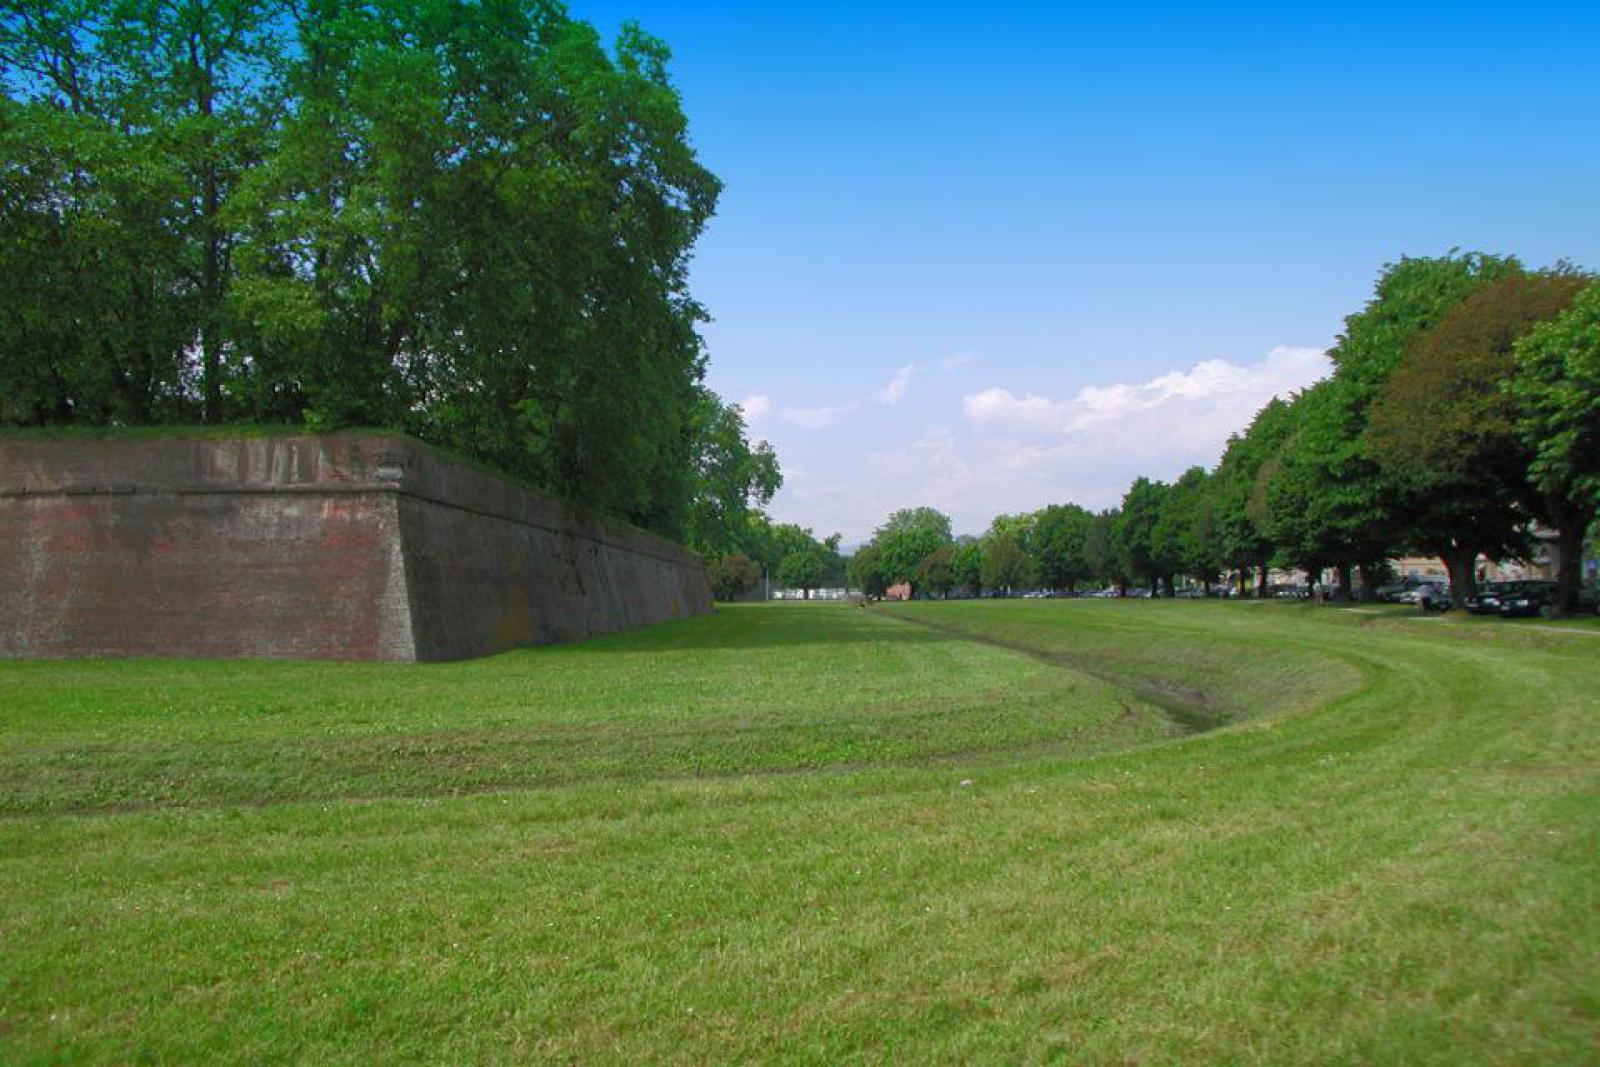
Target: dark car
{"points": [[1528, 598], [1539, 598], [1486, 601]]}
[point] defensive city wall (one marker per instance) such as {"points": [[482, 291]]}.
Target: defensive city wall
{"points": [[362, 546]]}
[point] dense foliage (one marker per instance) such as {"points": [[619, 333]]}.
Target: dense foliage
{"points": [[471, 222]]}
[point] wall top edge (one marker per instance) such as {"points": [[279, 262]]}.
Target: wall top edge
{"points": [[294, 464]]}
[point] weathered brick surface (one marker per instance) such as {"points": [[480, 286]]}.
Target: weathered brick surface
{"points": [[344, 546]]}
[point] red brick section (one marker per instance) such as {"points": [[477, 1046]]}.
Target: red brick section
{"points": [[343, 546]]}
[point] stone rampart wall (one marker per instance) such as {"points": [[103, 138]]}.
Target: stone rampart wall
{"points": [[341, 546]]}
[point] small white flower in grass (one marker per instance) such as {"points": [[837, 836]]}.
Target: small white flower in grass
{"points": [[965, 782]]}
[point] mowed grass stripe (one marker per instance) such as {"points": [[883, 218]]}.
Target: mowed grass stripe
{"points": [[738, 692], [1401, 871]]}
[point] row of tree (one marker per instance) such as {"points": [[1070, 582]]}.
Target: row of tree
{"points": [[1461, 419], [781, 555], [1057, 547], [468, 221]]}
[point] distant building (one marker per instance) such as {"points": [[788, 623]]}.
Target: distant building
{"points": [[898, 591]]}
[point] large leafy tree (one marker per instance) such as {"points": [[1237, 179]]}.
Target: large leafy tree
{"points": [[1006, 565], [866, 571], [731, 479], [1186, 531], [1143, 556], [935, 572], [125, 127], [1021, 527], [906, 538], [732, 574], [966, 565], [1057, 545], [1244, 540], [804, 569], [771, 543], [472, 222], [1103, 551], [1313, 514], [1331, 502], [1556, 388], [1444, 427]]}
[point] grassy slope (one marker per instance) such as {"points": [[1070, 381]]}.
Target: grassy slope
{"points": [[1392, 857]]}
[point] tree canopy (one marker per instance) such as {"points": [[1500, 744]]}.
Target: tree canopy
{"points": [[1442, 425], [468, 222], [906, 538], [1557, 392]]}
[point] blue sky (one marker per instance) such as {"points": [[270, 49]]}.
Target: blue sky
{"points": [[1098, 237]]}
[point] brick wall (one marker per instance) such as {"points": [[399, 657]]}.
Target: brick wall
{"points": [[341, 546]]}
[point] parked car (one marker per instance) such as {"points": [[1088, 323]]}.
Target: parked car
{"points": [[1395, 591], [1539, 598], [1486, 601], [1529, 598], [1438, 595]]}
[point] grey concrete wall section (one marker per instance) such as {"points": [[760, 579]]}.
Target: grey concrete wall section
{"points": [[345, 546]]}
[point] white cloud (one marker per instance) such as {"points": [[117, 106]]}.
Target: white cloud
{"points": [[1002, 406], [812, 418], [891, 393], [755, 408], [1023, 450], [1019, 450], [1207, 402]]}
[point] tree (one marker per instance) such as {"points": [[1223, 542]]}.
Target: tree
{"points": [[804, 569], [1059, 535], [1103, 553], [472, 223], [1020, 527], [1005, 565], [1136, 534], [935, 573], [125, 127], [906, 538], [866, 571], [1310, 513], [732, 574], [731, 480], [1330, 502], [1243, 536], [1185, 532], [1444, 427], [966, 565], [1556, 389]]}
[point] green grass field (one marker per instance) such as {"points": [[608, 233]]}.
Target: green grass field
{"points": [[1043, 831]]}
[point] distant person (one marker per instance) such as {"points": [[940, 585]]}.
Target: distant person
{"points": [[1425, 597]]}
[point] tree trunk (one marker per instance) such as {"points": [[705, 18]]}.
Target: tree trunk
{"points": [[1262, 583], [1367, 589], [1344, 593], [211, 237], [1569, 561], [1458, 561]]}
